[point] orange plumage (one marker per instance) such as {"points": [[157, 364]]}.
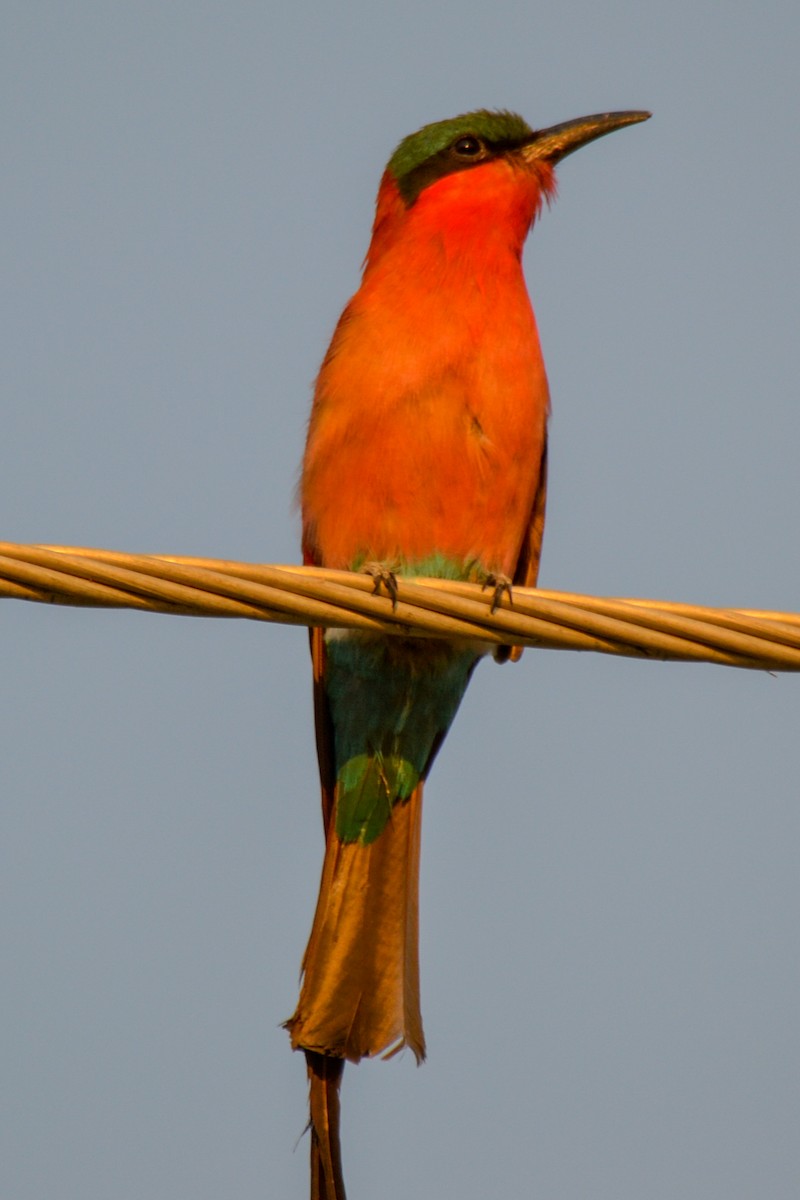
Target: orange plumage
{"points": [[429, 417], [426, 454]]}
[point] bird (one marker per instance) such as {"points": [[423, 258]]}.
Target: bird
{"points": [[426, 455]]}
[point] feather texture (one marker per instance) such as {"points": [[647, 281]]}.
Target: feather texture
{"points": [[425, 454]]}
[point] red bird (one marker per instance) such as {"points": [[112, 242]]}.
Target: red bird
{"points": [[426, 455]]}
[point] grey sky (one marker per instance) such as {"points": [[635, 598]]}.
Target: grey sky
{"points": [[609, 875]]}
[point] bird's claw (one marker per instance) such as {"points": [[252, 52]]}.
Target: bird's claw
{"points": [[502, 586], [382, 577]]}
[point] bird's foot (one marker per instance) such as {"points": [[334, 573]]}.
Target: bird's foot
{"points": [[502, 587], [382, 577]]}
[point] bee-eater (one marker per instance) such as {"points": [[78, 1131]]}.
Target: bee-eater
{"points": [[426, 455]]}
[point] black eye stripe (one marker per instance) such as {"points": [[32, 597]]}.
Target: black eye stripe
{"points": [[464, 152]]}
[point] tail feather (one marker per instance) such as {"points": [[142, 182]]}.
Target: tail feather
{"points": [[324, 1078], [360, 991], [381, 714]]}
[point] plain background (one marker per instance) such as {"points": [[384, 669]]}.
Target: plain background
{"points": [[610, 889]]}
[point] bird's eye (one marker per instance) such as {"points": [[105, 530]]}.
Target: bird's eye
{"points": [[468, 146]]}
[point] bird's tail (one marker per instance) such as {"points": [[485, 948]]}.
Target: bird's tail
{"points": [[360, 991], [324, 1077], [381, 714]]}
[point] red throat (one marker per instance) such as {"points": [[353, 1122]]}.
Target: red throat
{"points": [[487, 209]]}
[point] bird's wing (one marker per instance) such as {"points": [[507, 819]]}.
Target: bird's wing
{"points": [[527, 569], [323, 726]]}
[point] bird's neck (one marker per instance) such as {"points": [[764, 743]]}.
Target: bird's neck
{"points": [[469, 223]]}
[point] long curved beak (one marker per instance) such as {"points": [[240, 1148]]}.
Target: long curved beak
{"points": [[558, 141]]}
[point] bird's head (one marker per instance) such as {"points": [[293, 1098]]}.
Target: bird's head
{"points": [[489, 162], [479, 138]]}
